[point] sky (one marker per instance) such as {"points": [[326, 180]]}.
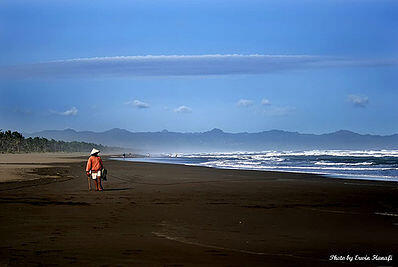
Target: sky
{"points": [[312, 66]]}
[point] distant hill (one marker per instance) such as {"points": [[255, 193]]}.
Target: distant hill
{"points": [[218, 140]]}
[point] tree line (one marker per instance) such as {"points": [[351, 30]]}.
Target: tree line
{"points": [[15, 142]]}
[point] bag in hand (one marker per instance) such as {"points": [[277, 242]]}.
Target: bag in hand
{"points": [[104, 172]]}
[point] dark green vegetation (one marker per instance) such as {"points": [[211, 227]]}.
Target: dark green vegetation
{"points": [[14, 142]]}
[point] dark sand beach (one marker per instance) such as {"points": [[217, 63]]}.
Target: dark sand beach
{"points": [[173, 215]]}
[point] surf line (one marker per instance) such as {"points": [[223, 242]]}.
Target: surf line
{"points": [[176, 239], [334, 211], [387, 214], [354, 213]]}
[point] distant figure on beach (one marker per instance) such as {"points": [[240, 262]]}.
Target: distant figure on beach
{"points": [[93, 170], [124, 155]]}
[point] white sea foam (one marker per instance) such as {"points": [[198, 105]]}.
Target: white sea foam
{"points": [[335, 153], [221, 163], [387, 214], [267, 158], [324, 163]]}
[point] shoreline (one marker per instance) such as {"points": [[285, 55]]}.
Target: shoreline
{"points": [[154, 214], [325, 175]]}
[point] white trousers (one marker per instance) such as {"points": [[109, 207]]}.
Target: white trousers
{"points": [[95, 175]]}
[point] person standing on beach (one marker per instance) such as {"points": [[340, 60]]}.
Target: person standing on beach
{"points": [[93, 169]]}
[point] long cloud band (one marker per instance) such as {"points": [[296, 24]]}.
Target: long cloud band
{"points": [[179, 65]]}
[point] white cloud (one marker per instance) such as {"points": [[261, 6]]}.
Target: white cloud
{"points": [[244, 103], [138, 104], [70, 112], [358, 101], [179, 65], [183, 109], [265, 102]]}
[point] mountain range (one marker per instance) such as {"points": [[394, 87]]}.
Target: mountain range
{"points": [[218, 140]]}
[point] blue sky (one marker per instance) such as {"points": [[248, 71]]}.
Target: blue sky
{"points": [[309, 66]]}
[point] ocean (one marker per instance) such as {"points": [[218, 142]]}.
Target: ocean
{"points": [[367, 164]]}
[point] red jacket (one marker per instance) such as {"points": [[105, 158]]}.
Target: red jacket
{"points": [[94, 164]]}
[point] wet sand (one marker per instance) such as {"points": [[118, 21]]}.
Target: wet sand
{"points": [[172, 215]]}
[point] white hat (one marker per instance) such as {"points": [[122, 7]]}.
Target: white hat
{"points": [[94, 151]]}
